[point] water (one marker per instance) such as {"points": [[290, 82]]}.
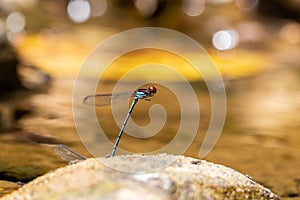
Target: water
{"points": [[260, 138]]}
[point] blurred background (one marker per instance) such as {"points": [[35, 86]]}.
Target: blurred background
{"points": [[254, 43]]}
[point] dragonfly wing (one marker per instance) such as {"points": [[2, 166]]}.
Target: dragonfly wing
{"points": [[68, 154], [98, 100], [118, 97], [106, 99]]}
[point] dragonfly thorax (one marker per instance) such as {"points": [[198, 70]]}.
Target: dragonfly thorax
{"points": [[145, 93]]}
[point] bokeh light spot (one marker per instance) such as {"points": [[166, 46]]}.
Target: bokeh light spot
{"points": [[15, 22], [247, 5], [225, 39], [290, 32], [146, 7], [193, 7], [79, 10], [98, 7]]}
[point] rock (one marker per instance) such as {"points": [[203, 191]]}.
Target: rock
{"points": [[17, 83], [9, 80], [9, 83], [184, 178], [7, 187]]}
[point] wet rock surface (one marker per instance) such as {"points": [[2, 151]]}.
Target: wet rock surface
{"points": [[181, 178]]}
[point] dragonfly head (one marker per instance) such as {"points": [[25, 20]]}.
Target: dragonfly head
{"points": [[152, 90]]}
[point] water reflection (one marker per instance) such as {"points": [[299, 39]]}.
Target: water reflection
{"points": [[270, 102]]}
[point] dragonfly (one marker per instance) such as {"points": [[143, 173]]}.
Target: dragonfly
{"points": [[108, 99], [104, 100]]}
